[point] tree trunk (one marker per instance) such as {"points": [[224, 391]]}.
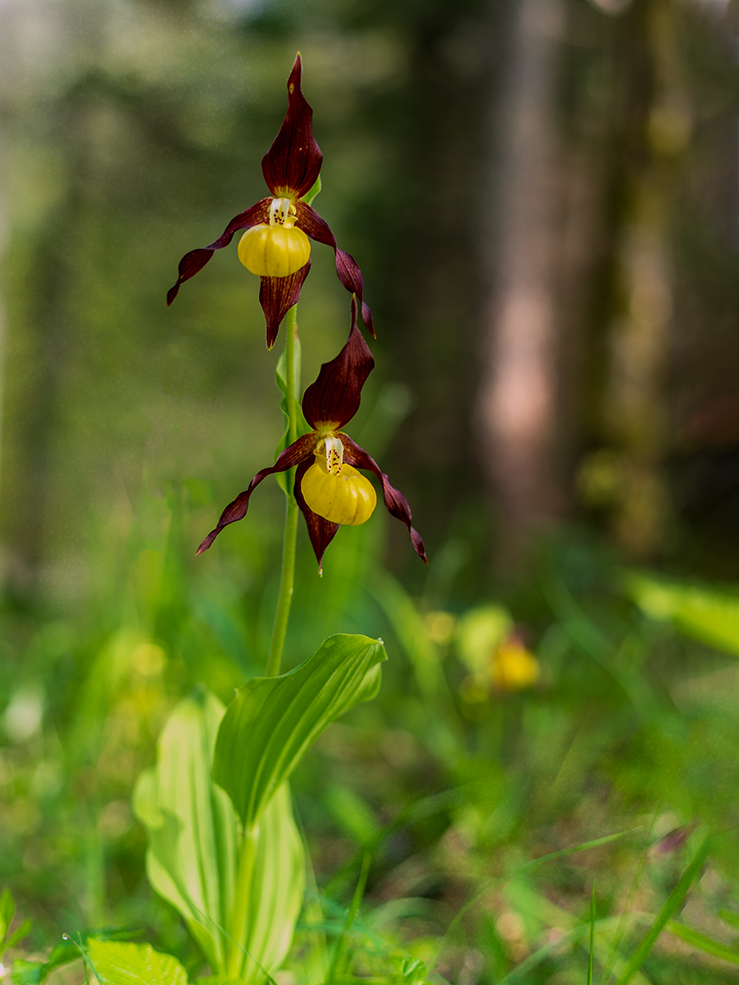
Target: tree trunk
{"points": [[517, 402]]}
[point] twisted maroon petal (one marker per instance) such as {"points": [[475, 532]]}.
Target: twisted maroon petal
{"points": [[293, 162], [335, 396], [307, 219], [347, 268], [395, 501], [350, 276], [320, 531], [298, 451], [195, 260], [277, 295]]}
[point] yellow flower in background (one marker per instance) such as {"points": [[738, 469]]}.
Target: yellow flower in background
{"points": [[513, 667], [480, 632], [493, 650]]}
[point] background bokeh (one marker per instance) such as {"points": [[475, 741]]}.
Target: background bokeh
{"points": [[543, 196]]}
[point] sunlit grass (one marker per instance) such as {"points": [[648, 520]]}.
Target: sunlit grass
{"points": [[481, 817]]}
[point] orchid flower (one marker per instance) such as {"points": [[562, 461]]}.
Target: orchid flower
{"points": [[276, 243], [329, 489]]}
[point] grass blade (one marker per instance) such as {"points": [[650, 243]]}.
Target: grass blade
{"points": [[620, 930], [521, 870], [669, 907], [701, 941], [592, 937], [521, 973], [728, 916], [562, 852]]}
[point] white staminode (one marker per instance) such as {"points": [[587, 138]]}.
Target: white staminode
{"points": [[281, 211], [334, 451]]}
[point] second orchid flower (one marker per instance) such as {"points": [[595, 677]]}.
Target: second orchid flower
{"points": [[328, 488]]}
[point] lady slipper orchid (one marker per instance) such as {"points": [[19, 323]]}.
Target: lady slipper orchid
{"points": [[276, 244], [329, 489]]}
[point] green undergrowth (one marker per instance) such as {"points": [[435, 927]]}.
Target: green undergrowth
{"points": [[579, 826]]}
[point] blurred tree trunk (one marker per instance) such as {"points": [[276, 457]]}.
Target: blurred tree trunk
{"points": [[39, 346], [516, 409], [3, 241], [41, 331], [526, 377], [624, 413]]}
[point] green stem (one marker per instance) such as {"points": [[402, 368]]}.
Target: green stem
{"points": [[239, 910], [287, 579]]}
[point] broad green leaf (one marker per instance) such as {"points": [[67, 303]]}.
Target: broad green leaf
{"points": [[67, 950], [193, 830], [194, 841], [710, 615], [703, 942], [28, 972], [133, 964], [217, 980], [276, 895], [272, 721]]}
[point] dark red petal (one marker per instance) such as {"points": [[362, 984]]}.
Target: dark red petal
{"points": [[195, 260], [349, 273], [350, 276], [277, 295], [293, 162], [395, 501], [335, 396], [320, 531], [298, 451], [347, 268], [307, 219]]}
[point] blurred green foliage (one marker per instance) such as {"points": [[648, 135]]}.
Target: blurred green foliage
{"points": [[632, 728]]}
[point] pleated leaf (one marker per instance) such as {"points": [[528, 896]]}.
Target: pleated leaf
{"points": [[133, 964], [194, 839], [272, 721], [277, 887], [193, 830]]}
